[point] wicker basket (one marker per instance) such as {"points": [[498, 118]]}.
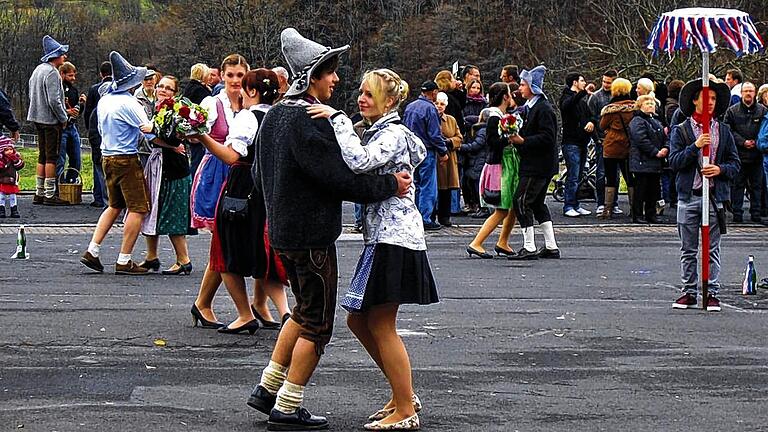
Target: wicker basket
{"points": [[72, 192]]}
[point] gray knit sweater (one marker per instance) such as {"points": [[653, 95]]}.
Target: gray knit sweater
{"points": [[46, 96]]}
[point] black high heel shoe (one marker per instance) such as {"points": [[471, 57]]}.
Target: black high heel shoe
{"points": [[250, 327], [180, 269], [197, 317], [152, 265], [503, 252], [269, 325], [472, 251]]}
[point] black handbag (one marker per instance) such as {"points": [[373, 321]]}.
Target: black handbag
{"points": [[234, 209], [492, 197]]}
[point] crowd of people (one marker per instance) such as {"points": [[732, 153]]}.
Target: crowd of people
{"points": [[269, 176]]}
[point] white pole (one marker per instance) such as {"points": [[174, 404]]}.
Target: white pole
{"points": [[705, 159]]}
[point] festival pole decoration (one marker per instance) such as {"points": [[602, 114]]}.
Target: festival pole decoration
{"points": [[682, 29]]}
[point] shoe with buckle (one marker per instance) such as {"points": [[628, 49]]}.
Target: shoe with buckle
{"points": [[583, 211], [546, 253], [262, 400], [713, 304], [92, 262], [130, 268], [571, 213], [300, 420], [55, 201], [523, 255], [178, 269], [686, 301], [386, 412], [409, 424]]}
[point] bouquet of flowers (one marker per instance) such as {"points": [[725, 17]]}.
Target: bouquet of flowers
{"points": [[510, 125], [180, 117]]}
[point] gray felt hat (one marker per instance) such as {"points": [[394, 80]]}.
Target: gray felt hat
{"points": [[126, 76], [303, 56]]}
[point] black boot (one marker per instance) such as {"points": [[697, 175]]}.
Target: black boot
{"points": [[14, 212]]}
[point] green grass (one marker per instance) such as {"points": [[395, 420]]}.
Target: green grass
{"points": [[27, 174]]}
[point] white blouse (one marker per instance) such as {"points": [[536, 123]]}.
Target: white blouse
{"points": [[243, 129], [209, 103]]}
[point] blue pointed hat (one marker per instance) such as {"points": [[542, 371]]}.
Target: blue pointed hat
{"points": [[534, 78], [125, 76], [52, 49]]}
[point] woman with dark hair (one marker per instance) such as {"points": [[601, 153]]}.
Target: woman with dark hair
{"points": [[210, 176], [500, 151], [614, 120], [240, 215], [169, 184]]}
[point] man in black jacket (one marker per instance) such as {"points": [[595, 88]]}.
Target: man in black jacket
{"points": [[745, 118], [91, 120], [577, 127], [537, 145], [304, 180]]}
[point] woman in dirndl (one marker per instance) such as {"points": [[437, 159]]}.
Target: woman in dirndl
{"points": [[169, 184], [209, 179], [393, 267], [503, 163], [240, 222]]}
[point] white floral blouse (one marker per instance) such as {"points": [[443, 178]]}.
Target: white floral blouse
{"points": [[387, 147]]}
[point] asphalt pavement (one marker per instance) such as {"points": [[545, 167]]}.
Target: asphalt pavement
{"points": [[586, 343]]}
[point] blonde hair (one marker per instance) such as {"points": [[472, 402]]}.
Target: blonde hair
{"points": [[621, 87], [67, 67], [643, 99], [646, 84], [199, 72], [444, 80], [384, 83], [761, 93]]}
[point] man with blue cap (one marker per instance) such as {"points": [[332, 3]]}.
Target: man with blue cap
{"points": [[48, 113], [537, 145], [121, 121]]}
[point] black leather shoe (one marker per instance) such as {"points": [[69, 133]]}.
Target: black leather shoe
{"points": [[198, 317], [153, 265], [184, 269], [250, 327], [503, 252], [269, 325], [472, 251], [261, 400], [524, 254], [298, 421], [545, 253]]}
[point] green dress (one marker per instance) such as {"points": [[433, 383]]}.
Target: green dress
{"points": [[510, 166]]}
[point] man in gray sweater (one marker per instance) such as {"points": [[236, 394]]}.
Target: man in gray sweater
{"points": [[47, 112]]}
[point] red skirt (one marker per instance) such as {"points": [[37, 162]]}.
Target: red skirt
{"points": [[9, 189]]}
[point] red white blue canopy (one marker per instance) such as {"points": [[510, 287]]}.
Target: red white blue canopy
{"points": [[682, 28]]}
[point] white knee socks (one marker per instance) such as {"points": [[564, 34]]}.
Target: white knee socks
{"points": [[2, 199], [273, 377], [50, 187], [549, 235], [528, 241], [40, 186], [12, 200], [289, 397]]}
